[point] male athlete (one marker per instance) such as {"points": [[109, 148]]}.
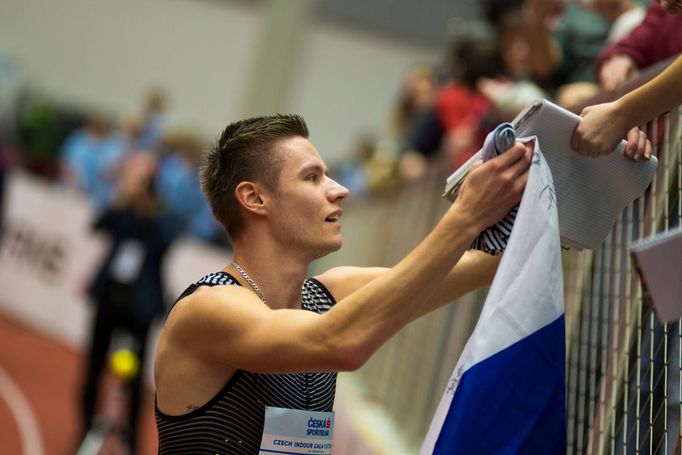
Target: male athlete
{"points": [[251, 347]]}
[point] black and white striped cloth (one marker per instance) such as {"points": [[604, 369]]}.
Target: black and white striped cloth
{"points": [[232, 421], [493, 240]]}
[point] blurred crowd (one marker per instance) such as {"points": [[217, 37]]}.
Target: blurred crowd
{"points": [[87, 153], [565, 51], [568, 51]]}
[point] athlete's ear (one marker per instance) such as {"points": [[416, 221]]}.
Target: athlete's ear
{"points": [[250, 197]]}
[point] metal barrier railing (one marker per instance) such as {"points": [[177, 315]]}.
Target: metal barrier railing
{"points": [[624, 368]]}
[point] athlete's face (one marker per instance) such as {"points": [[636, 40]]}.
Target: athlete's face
{"points": [[307, 203]]}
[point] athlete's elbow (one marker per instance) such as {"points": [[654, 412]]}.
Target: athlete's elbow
{"points": [[347, 347], [352, 356], [353, 362]]}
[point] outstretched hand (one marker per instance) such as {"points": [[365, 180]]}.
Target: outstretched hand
{"points": [[602, 127]]}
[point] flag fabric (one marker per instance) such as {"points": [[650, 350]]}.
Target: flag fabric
{"points": [[507, 392], [493, 240]]}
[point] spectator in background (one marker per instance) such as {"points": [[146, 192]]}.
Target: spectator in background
{"points": [[564, 39], [81, 160], [510, 92], [623, 15], [353, 173], [124, 140], [454, 125], [127, 289], [460, 106], [151, 119], [92, 157], [120, 144], [369, 171], [656, 38], [418, 92], [180, 192], [414, 126]]}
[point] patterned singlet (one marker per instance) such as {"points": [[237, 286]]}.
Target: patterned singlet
{"points": [[232, 421]]}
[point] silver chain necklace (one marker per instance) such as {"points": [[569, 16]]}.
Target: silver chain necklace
{"points": [[248, 279]]}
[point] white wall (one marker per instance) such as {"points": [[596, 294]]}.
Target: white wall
{"points": [[349, 83], [106, 53]]}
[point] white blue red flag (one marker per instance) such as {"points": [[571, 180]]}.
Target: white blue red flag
{"points": [[507, 392]]}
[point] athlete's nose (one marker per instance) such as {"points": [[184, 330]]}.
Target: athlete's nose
{"points": [[336, 191]]}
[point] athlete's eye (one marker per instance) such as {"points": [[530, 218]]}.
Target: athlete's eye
{"points": [[313, 178]]}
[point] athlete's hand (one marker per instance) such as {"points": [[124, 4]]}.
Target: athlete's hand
{"points": [[492, 188]]}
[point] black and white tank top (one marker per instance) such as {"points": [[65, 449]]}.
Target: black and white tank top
{"points": [[232, 421]]}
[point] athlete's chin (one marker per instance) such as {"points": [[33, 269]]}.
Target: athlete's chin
{"points": [[337, 246], [329, 247]]}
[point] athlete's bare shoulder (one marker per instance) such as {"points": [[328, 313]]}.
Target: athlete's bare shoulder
{"points": [[210, 302]]}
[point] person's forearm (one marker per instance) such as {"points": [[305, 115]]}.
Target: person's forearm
{"points": [[376, 311], [659, 95], [475, 270]]}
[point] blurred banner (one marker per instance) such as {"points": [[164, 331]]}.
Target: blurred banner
{"points": [[48, 254]]}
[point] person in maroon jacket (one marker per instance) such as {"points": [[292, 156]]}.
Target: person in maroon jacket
{"points": [[657, 38], [604, 125]]}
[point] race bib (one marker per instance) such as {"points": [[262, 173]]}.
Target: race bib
{"points": [[292, 431]]}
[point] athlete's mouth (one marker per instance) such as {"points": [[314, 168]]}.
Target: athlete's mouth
{"points": [[334, 217]]}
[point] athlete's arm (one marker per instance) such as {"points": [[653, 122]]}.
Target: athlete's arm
{"points": [[229, 325], [474, 270]]}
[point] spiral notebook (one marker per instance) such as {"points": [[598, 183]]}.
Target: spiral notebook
{"points": [[590, 192]]}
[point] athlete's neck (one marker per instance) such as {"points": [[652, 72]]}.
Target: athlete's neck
{"points": [[278, 277]]}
